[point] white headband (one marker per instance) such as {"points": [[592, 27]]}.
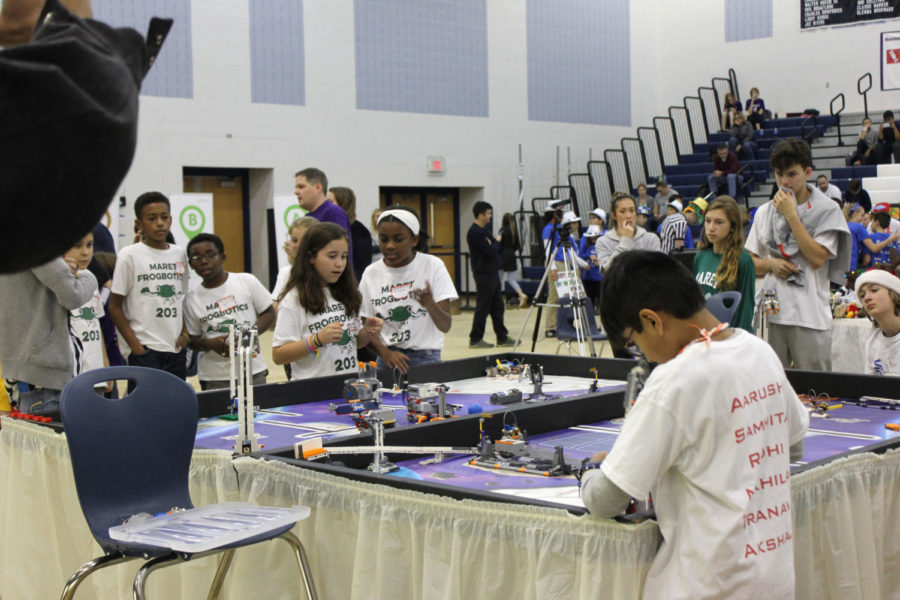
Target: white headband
{"points": [[404, 216]]}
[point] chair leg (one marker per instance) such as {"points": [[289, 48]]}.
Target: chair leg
{"points": [[303, 562], [140, 580], [224, 564], [558, 345], [88, 568]]}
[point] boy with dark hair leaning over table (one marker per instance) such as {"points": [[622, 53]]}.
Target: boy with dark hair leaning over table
{"points": [[711, 443]]}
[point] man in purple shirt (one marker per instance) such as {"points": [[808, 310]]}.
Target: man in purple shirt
{"points": [[311, 187], [725, 170]]}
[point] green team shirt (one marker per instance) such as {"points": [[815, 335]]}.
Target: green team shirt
{"points": [[706, 262]]}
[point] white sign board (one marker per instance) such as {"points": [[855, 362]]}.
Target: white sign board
{"points": [[890, 60], [286, 209], [191, 214]]}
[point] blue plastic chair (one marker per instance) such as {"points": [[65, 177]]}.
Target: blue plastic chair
{"points": [[132, 455], [723, 305], [565, 327]]}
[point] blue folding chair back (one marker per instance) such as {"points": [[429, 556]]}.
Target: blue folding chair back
{"points": [[565, 327], [132, 455], [723, 305]]}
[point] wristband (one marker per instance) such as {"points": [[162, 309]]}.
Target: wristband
{"points": [[312, 349], [316, 341], [586, 466]]}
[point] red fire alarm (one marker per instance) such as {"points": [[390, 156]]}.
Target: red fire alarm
{"points": [[436, 164]]}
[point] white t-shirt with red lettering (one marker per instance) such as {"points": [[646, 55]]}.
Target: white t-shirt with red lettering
{"points": [[712, 444]]}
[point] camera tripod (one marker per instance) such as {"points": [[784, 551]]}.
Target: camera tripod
{"points": [[569, 284]]}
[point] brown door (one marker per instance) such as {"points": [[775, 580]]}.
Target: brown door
{"points": [[228, 214], [442, 227]]}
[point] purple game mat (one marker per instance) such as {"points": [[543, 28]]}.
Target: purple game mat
{"points": [[285, 426], [847, 428]]}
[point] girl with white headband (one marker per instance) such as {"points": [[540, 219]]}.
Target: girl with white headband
{"points": [[410, 290]]}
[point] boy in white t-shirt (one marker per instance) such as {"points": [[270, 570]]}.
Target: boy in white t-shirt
{"points": [[84, 321], [711, 443], [879, 293], [222, 299], [148, 289], [799, 241]]}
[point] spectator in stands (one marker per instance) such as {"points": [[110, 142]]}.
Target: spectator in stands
{"points": [[756, 109], [725, 171], [799, 241], [888, 140], [883, 207], [663, 196], [741, 140], [360, 237], [673, 227], [861, 239], [642, 198], [623, 235], [644, 218], [865, 145], [597, 217], [887, 253], [553, 215], [829, 189], [722, 264], [855, 194], [587, 251], [729, 111]]}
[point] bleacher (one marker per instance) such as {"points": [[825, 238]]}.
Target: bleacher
{"points": [[681, 146]]}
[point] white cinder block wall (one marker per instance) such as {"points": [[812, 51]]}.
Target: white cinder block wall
{"points": [[675, 47]]}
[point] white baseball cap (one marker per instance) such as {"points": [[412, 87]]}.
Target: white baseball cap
{"points": [[676, 205], [569, 217], [599, 212], [593, 231]]}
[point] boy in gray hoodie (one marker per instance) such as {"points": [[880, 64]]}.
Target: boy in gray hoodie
{"points": [[36, 349]]}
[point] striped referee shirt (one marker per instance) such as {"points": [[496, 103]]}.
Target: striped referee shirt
{"points": [[673, 228]]}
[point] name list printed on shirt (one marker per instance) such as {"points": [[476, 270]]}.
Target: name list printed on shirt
{"points": [[821, 13], [163, 272], [756, 436]]}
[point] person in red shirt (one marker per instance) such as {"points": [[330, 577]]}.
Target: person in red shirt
{"points": [[725, 170]]}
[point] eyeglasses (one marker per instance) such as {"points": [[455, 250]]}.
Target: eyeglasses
{"points": [[631, 347], [208, 256]]}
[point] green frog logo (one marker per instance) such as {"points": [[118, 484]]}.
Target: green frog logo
{"points": [[165, 291], [85, 312], [222, 326], [402, 314]]}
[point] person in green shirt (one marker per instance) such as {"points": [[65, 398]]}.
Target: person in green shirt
{"points": [[722, 264]]}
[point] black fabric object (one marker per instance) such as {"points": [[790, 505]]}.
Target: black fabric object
{"points": [[362, 248], [509, 245], [68, 128]]}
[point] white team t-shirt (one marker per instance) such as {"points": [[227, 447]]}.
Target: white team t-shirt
{"points": [[85, 323], [209, 312], [281, 280], [295, 323], [882, 354], [806, 305], [714, 452], [385, 294], [153, 283]]}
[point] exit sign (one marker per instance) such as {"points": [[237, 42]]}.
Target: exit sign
{"points": [[436, 164]]}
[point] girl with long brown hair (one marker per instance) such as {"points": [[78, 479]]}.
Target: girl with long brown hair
{"points": [[722, 263]]}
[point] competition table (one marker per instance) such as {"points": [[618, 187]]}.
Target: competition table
{"points": [[385, 536]]}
